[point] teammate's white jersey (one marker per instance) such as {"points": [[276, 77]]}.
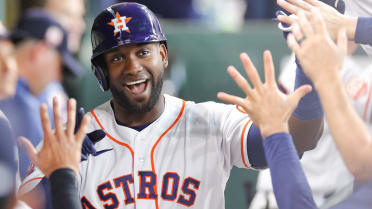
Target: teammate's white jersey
{"points": [[181, 160]]}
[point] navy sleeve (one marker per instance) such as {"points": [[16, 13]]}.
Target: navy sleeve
{"points": [[255, 149], [64, 190], [256, 154], [358, 199], [363, 31], [291, 189]]}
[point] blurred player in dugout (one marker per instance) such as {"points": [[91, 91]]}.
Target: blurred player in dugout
{"points": [[41, 51]]}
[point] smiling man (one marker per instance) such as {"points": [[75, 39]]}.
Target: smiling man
{"points": [[164, 152], [137, 91]]}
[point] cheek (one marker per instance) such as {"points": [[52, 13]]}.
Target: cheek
{"points": [[113, 73]]}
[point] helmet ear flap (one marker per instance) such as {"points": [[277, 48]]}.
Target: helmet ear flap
{"points": [[101, 77]]}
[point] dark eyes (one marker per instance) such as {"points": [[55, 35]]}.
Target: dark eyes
{"points": [[143, 53], [120, 57], [117, 58]]}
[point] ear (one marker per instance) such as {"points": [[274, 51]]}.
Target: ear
{"points": [[164, 55]]}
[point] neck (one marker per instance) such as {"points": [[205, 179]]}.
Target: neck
{"points": [[136, 119]]}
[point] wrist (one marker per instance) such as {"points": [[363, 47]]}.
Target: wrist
{"points": [[48, 172], [271, 129], [324, 80], [350, 24]]}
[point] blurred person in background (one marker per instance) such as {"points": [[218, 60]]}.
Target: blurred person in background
{"points": [[41, 52], [69, 13], [8, 148], [60, 155], [57, 158]]}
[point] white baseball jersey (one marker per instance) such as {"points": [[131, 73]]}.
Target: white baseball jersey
{"points": [[181, 160]]}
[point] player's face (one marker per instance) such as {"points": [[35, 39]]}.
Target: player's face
{"points": [[136, 75], [8, 70]]}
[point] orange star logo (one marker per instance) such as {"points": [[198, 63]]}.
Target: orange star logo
{"points": [[120, 23]]}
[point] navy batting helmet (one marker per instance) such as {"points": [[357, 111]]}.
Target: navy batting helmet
{"points": [[122, 24]]}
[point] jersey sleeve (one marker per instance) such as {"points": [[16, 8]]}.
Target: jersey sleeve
{"points": [[31, 181], [33, 178], [286, 173], [233, 126], [363, 31], [64, 192]]}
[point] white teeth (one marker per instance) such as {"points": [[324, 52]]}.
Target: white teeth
{"points": [[135, 82]]}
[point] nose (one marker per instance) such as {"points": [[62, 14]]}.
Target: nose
{"points": [[133, 66]]}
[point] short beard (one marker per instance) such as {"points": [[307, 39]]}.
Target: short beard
{"points": [[125, 103]]}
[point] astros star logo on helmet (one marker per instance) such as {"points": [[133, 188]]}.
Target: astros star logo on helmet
{"points": [[120, 23]]}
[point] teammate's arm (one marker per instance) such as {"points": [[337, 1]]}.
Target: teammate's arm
{"points": [[322, 59], [306, 123], [290, 185], [363, 31]]}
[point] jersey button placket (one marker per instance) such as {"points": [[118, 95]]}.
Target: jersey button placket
{"points": [[140, 152]]}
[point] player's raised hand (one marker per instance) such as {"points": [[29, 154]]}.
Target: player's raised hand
{"points": [[331, 10], [62, 147], [268, 107], [320, 57]]}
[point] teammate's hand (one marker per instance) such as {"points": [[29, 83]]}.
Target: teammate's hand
{"points": [[333, 18], [61, 148], [268, 107], [320, 57]]}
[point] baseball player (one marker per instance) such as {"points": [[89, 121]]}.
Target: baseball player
{"points": [[161, 151]]}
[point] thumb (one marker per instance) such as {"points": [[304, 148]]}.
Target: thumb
{"points": [[300, 92], [80, 134], [29, 148], [342, 40]]}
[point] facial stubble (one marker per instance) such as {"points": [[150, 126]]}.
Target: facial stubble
{"points": [[123, 100]]}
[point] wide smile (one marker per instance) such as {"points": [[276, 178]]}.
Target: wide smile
{"points": [[137, 87]]}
